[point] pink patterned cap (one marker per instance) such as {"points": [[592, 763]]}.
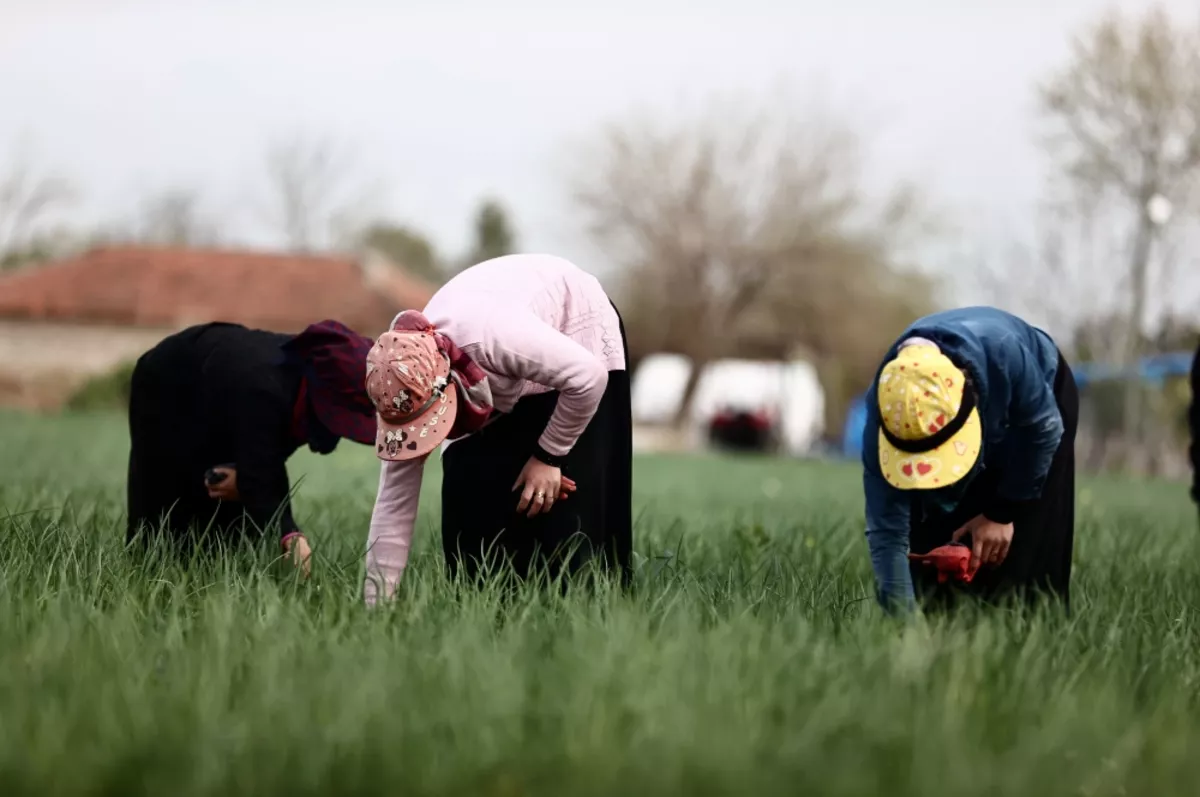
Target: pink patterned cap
{"points": [[408, 381]]}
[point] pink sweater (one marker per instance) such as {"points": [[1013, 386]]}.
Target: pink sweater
{"points": [[534, 323]]}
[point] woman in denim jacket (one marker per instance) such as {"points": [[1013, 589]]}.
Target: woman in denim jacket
{"points": [[970, 438]]}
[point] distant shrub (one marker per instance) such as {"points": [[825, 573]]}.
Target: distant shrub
{"points": [[107, 391]]}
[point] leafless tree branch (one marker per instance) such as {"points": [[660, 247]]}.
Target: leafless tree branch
{"points": [[1123, 119], [740, 228], [28, 198], [315, 199], [176, 217]]}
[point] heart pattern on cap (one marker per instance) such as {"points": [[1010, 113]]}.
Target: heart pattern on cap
{"points": [[920, 468]]}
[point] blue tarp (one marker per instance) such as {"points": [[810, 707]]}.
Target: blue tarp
{"points": [[852, 436], [1150, 369]]}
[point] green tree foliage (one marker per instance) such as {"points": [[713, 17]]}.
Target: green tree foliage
{"points": [[106, 391], [493, 233], [405, 247], [33, 252]]}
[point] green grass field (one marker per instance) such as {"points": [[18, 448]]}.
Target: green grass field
{"points": [[750, 661]]}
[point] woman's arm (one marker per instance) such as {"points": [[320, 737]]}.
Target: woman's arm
{"points": [[888, 515], [525, 347], [255, 405], [262, 450], [392, 523]]}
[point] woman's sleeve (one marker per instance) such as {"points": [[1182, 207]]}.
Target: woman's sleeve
{"points": [[392, 523], [260, 420], [528, 348], [888, 516], [262, 477], [251, 402]]}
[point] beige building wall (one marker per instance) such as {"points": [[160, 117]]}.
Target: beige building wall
{"points": [[41, 363]]}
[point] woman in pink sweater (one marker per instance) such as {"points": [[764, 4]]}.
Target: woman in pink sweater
{"points": [[521, 361]]}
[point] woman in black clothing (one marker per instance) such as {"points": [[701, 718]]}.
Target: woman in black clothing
{"points": [[235, 402]]}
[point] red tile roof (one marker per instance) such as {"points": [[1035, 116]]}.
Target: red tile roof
{"points": [[162, 287]]}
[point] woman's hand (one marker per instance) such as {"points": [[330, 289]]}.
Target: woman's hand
{"points": [[990, 541], [299, 553], [226, 489], [543, 484]]}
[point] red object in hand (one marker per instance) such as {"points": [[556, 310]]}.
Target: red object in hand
{"points": [[951, 561]]}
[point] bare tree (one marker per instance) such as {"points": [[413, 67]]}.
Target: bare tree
{"points": [[744, 230], [314, 198], [1062, 278], [1124, 129], [29, 197], [175, 217]]}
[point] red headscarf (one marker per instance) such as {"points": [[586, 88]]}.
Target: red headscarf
{"points": [[333, 360]]}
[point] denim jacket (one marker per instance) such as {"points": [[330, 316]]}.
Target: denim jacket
{"points": [[1013, 366]]}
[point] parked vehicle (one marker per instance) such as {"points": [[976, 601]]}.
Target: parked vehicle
{"points": [[743, 430]]}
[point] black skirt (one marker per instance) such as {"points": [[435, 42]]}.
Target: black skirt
{"points": [[1039, 560], [185, 404], [165, 481], [481, 528]]}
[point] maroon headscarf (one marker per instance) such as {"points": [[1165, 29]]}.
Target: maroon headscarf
{"points": [[333, 361]]}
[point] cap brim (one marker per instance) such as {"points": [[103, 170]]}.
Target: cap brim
{"points": [[420, 435], [944, 466]]}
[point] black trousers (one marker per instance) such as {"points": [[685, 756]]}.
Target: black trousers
{"points": [[480, 524], [1039, 560]]}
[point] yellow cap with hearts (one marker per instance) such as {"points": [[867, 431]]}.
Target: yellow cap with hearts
{"points": [[929, 432]]}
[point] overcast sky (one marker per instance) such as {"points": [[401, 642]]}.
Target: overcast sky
{"points": [[444, 106]]}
